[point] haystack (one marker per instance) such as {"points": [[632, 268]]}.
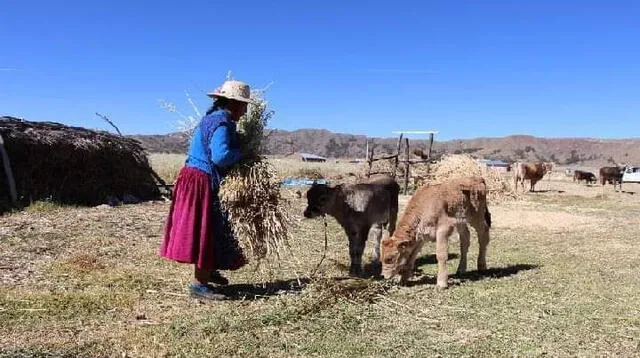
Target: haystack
{"points": [[73, 165], [499, 186], [380, 167]]}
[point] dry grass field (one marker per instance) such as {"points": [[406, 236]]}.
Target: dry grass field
{"points": [[563, 281]]}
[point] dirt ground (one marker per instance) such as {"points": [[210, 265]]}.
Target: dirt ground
{"points": [[563, 281]]}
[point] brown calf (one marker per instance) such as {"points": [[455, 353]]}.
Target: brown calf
{"points": [[432, 214], [532, 172]]}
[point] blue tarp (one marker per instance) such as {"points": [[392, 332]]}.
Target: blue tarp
{"points": [[290, 181]]}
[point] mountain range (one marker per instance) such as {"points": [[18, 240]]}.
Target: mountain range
{"points": [[563, 151]]}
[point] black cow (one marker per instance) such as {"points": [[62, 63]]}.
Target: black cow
{"points": [[588, 177], [611, 175]]}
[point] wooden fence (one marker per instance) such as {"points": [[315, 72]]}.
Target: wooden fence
{"points": [[425, 158]]}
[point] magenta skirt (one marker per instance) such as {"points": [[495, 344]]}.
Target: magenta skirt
{"points": [[195, 230]]}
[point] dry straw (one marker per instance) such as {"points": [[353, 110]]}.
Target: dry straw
{"points": [[385, 166], [353, 290], [258, 212], [251, 191], [73, 165], [499, 186]]}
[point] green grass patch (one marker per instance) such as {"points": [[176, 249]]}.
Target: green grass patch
{"points": [[43, 206]]}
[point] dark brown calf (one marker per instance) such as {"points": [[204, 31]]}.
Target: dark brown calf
{"points": [[611, 175], [359, 208], [588, 177]]}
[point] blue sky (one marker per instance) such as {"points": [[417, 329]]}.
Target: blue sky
{"points": [[467, 69]]}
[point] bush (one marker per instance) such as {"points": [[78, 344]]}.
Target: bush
{"points": [[573, 158]]}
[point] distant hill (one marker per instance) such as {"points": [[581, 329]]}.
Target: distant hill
{"points": [[564, 151], [167, 143]]}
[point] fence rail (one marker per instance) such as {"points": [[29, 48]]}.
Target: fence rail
{"points": [[407, 161]]}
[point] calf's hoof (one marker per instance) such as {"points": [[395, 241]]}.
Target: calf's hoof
{"points": [[373, 269], [441, 283], [355, 271]]}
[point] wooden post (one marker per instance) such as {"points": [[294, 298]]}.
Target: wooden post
{"points": [[406, 171], [369, 158], [7, 170], [366, 151], [395, 167], [430, 145]]}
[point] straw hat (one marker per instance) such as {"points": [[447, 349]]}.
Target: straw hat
{"points": [[235, 90]]}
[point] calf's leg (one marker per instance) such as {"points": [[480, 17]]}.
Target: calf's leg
{"points": [[442, 253], [376, 232], [483, 242], [356, 247], [465, 241]]}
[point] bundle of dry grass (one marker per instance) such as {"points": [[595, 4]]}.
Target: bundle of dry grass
{"points": [[73, 165], [458, 166], [256, 208], [251, 191]]}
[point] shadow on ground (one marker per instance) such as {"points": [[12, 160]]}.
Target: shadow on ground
{"points": [[472, 276], [249, 292], [432, 260]]}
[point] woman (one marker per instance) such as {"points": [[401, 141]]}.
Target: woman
{"points": [[197, 230]]}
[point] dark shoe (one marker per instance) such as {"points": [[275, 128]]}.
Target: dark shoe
{"points": [[205, 292], [218, 279]]}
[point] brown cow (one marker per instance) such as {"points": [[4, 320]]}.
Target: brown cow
{"points": [[432, 214], [612, 175], [531, 171], [588, 177]]}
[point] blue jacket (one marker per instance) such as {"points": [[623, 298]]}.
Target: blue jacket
{"points": [[221, 147]]}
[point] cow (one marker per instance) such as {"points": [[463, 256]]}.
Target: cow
{"points": [[612, 175], [372, 202], [432, 214], [531, 171], [588, 177]]}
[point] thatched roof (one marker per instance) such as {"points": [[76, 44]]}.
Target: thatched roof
{"points": [[72, 164]]}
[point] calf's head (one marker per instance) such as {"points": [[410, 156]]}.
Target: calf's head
{"points": [[317, 199], [397, 258]]}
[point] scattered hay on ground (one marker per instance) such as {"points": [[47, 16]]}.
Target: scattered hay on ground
{"points": [[353, 290]]}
